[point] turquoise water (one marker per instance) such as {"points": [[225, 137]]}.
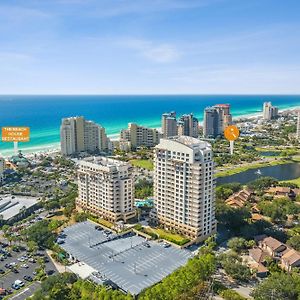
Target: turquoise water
{"points": [[43, 113]]}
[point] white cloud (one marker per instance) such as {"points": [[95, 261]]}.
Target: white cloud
{"points": [[155, 52], [126, 7]]}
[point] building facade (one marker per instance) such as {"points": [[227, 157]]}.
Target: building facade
{"points": [[106, 188], [216, 119], [184, 187], [78, 135], [298, 126], [269, 111], [188, 125], [2, 168], [140, 136], [169, 124]]}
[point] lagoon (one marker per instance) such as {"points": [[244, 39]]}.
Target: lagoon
{"points": [[287, 171]]}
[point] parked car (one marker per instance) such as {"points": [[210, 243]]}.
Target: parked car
{"points": [[50, 272], [27, 278]]}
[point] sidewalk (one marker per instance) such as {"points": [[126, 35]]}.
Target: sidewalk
{"points": [[59, 267]]}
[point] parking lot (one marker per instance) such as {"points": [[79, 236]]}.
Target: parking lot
{"points": [[130, 262], [9, 277], [26, 292]]}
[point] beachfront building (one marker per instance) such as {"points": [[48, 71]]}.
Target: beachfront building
{"points": [[184, 187], [269, 111], [216, 119], [169, 124], [2, 168], [139, 136], [79, 135], [106, 188], [188, 125], [298, 125]]}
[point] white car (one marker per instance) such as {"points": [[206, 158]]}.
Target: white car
{"points": [[19, 283], [24, 266], [21, 259]]}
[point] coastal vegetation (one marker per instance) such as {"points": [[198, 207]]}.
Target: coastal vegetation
{"points": [[143, 189]]}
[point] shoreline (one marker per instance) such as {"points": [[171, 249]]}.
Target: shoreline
{"points": [[255, 165], [55, 147]]}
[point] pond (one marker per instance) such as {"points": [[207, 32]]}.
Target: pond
{"points": [[269, 153], [281, 172]]}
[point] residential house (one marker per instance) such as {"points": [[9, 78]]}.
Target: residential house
{"points": [[272, 246], [257, 260], [239, 199], [281, 192], [290, 259]]}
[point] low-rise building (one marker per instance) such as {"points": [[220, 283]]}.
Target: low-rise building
{"points": [[280, 192], [239, 199], [12, 206], [287, 257], [290, 259], [272, 246]]}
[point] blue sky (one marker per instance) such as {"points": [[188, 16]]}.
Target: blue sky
{"points": [[149, 46]]}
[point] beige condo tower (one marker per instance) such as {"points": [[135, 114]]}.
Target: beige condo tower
{"points": [[106, 188], [184, 187]]}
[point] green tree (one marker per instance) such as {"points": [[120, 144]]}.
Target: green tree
{"points": [[232, 264], [40, 234], [278, 286], [294, 242], [237, 244], [231, 295]]}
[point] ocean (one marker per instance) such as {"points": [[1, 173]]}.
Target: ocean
{"points": [[43, 114]]}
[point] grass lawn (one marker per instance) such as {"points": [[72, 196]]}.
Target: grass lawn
{"points": [[167, 235], [59, 218], [102, 222], [295, 181], [254, 166], [142, 163]]}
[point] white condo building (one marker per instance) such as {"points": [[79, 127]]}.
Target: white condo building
{"points": [[78, 135], [269, 111], [188, 125], [139, 136], [169, 124], [2, 168], [216, 119], [106, 188], [298, 126], [184, 186]]}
